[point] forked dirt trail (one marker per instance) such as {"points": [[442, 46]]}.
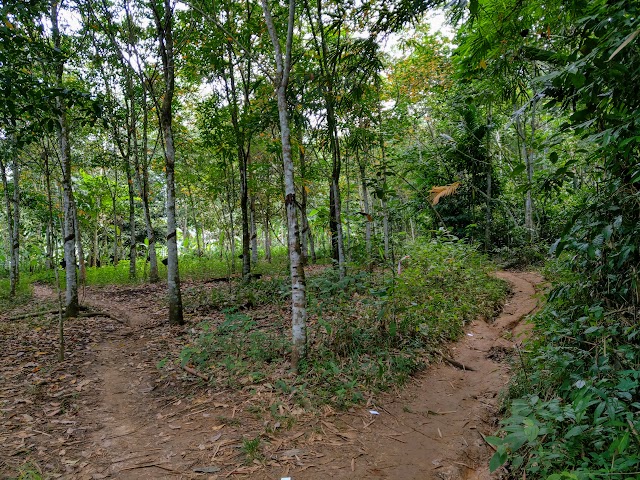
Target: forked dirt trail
{"points": [[125, 418]]}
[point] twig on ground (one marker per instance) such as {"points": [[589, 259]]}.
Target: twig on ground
{"points": [[193, 371], [457, 364]]}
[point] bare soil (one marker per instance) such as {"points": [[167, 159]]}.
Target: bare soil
{"points": [[108, 411]]}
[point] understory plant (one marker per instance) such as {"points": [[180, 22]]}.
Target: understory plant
{"points": [[369, 332]]}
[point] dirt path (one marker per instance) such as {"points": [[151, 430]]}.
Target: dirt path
{"points": [[135, 421], [432, 429]]}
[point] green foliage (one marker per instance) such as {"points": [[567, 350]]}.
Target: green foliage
{"points": [[577, 411], [578, 393], [368, 332], [251, 449], [23, 293], [29, 472], [235, 348]]}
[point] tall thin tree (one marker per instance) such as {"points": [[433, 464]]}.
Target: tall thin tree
{"points": [[298, 284]]}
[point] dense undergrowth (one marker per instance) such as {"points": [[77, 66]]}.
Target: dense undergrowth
{"points": [[574, 408], [368, 332]]}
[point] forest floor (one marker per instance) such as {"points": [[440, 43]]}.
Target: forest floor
{"points": [[108, 411]]}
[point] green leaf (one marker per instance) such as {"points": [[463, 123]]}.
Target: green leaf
{"points": [[575, 431], [531, 432], [495, 441], [497, 461]]}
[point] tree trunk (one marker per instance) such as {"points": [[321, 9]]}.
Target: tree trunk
{"points": [[71, 293], [267, 238], [366, 210], [530, 159], [164, 24], [488, 216], [328, 71], [312, 246], [82, 267], [142, 177], [525, 156], [385, 209], [340, 237], [48, 264], [306, 232], [254, 230], [50, 228], [132, 217], [298, 286], [13, 242], [96, 247], [244, 209], [114, 212]]}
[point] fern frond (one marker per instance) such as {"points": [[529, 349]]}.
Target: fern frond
{"points": [[437, 192]]}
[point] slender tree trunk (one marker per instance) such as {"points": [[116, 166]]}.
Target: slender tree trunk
{"points": [[82, 267], [50, 263], [254, 230], [164, 30], [488, 214], [50, 228], [142, 177], [340, 237], [243, 157], [15, 241], [244, 210], [527, 158], [298, 284], [530, 158], [96, 247], [12, 241], [114, 213], [230, 187], [366, 210], [132, 220], [267, 238], [195, 220], [385, 209], [312, 246], [328, 71], [306, 231], [71, 293], [49, 256]]}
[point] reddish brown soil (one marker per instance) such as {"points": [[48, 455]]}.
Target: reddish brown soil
{"points": [[109, 412]]}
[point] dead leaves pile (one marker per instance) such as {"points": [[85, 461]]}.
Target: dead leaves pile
{"points": [[40, 397]]}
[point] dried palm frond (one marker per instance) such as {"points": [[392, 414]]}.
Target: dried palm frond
{"points": [[437, 192]]}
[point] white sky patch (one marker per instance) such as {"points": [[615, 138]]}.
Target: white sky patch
{"points": [[437, 22]]}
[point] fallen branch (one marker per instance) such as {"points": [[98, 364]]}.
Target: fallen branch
{"points": [[150, 465], [457, 364], [193, 371], [33, 314]]}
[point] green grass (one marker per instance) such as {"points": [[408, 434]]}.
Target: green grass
{"points": [[192, 267], [23, 294], [367, 333]]}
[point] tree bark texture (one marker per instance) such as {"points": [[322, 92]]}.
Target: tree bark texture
{"points": [[71, 292], [164, 29], [298, 284]]}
